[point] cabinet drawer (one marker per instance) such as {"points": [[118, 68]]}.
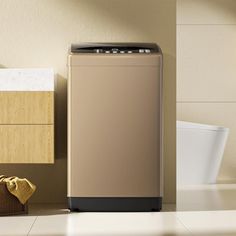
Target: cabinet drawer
{"points": [[26, 144], [26, 107]]}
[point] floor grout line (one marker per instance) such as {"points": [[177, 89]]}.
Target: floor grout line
{"points": [[181, 222], [32, 225]]}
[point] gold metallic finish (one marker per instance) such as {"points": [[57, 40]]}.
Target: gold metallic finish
{"points": [[115, 125]]}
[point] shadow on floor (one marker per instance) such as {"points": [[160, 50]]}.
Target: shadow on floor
{"points": [[207, 198]]}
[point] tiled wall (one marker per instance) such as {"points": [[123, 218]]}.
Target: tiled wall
{"points": [[37, 33], [206, 69]]}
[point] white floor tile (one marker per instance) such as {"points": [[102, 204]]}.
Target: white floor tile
{"points": [[89, 224], [209, 223], [38, 209], [16, 225]]}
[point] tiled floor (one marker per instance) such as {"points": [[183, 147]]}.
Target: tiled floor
{"points": [[51, 221], [205, 223]]}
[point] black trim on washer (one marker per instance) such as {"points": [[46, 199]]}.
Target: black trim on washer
{"points": [[117, 204], [134, 47]]}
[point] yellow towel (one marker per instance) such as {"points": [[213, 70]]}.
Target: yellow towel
{"points": [[21, 188]]}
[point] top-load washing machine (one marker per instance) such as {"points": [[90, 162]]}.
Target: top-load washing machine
{"points": [[115, 135]]}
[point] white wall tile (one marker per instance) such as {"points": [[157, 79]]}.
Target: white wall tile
{"points": [[221, 114], [206, 68], [206, 63], [206, 12]]}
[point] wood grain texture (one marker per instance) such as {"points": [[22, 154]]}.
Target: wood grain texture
{"points": [[26, 107], [26, 143]]}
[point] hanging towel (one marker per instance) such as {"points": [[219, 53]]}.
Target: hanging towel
{"points": [[20, 188]]}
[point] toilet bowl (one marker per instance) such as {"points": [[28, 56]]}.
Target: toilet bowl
{"points": [[200, 150]]}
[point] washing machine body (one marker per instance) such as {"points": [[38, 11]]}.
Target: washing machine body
{"points": [[115, 127]]}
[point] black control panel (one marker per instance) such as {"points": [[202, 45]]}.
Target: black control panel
{"points": [[116, 48]]}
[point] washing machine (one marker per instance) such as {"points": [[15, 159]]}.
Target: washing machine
{"points": [[115, 127]]}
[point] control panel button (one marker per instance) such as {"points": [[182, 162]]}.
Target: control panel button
{"points": [[115, 50], [121, 50], [98, 50]]}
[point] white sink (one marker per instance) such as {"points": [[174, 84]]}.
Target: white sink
{"points": [[27, 79]]}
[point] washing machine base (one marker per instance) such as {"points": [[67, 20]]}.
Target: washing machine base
{"points": [[118, 204]]}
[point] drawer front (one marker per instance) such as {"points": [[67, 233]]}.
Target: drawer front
{"points": [[26, 107], [26, 144]]}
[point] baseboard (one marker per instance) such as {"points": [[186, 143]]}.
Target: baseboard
{"points": [[226, 181]]}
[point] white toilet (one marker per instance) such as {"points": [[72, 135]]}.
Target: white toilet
{"points": [[200, 150]]}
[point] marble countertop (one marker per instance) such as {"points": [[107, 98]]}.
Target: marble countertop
{"points": [[27, 79]]}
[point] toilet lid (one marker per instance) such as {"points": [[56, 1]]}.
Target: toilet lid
{"points": [[191, 125]]}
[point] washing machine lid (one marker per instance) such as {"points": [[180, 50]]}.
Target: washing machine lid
{"points": [[118, 48], [191, 125]]}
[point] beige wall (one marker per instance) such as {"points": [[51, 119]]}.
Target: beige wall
{"points": [[37, 33], [206, 69]]}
